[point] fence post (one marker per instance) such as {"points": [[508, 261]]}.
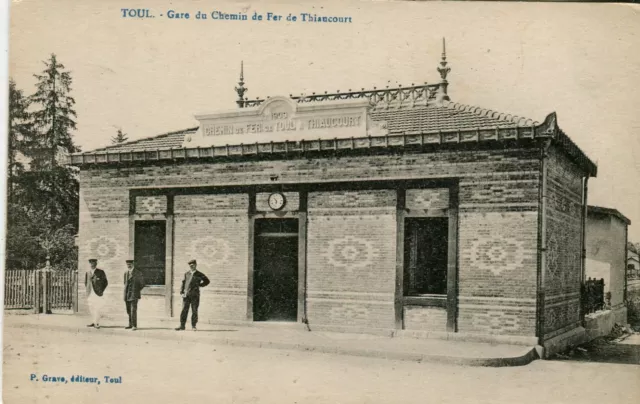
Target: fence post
{"points": [[45, 294], [74, 290], [36, 291], [46, 271]]}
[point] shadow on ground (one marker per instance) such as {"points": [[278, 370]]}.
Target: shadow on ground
{"points": [[200, 331], [602, 350]]}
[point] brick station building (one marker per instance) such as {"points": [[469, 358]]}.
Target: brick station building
{"points": [[390, 211]]}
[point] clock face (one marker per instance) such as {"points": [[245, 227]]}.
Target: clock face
{"points": [[276, 201]]}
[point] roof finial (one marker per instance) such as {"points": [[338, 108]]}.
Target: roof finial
{"points": [[241, 89], [444, 70]]}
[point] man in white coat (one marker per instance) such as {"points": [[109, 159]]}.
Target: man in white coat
{"points": [[95, 282]]}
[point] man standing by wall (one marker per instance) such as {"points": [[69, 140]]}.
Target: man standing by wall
{"points": [[95, 281], [190, 292], [133, 284]]}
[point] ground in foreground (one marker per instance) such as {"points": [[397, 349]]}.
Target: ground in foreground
{"points": [[161, 371]]}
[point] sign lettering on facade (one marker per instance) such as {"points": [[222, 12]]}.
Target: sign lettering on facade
{"points": [[280, 119], [280, 122]]}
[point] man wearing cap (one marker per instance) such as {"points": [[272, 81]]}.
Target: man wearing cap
{"points": [[95, 282], [133, 284], [190, 292]]}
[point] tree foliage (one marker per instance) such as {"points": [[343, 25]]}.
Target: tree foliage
{"points": [[20, 132], [119, 138], [54, 115], [42, 212]]}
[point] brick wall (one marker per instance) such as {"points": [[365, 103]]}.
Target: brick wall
{"points": [[497, 250], [436, 198], [564, 231], [425, 318], [491, 164], [497, 272], [292, 201], [352, 234], [151, 204], [351, 258], [104, 234], [213, 229]]}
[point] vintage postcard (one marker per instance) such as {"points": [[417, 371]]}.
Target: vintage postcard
{"points": [[322, 202]]}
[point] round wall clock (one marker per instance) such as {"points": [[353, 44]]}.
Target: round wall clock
{"points": [[276, 201]]}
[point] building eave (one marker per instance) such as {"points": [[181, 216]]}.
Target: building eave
{"points": [[609, 212], [248, 150]]}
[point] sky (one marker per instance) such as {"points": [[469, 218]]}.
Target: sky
{"points": [[151, 76]]}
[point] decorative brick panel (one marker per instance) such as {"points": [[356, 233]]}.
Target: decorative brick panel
{"points": [[151, 204], [499, 321], [497, 272], [498, 254], [562, 313], [351, 253], [495, 315], [427, 198], [425, 318], [349, 257], [106, 240], [563, 255], [218, 240], [564, 250]]}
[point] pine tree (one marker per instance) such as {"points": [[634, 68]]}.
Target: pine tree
{"points": [[45, 198], [54, 116], [119, 138], [20, 133]]}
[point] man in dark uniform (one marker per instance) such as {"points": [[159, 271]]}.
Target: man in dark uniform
{"points": [[133, 284], [95, 282], [190, 292]]}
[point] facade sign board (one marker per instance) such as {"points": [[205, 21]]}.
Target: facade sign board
{"points": [[281, 119]]}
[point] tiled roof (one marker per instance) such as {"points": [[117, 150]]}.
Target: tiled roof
{"points": [[164, 141], [444, 117], [407, 119], [413, 111]]}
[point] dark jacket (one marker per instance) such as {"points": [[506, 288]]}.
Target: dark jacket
{"points": [[98, 281], [198, 280], [133, 285]]}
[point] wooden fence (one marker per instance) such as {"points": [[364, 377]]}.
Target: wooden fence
{"points": [[41, 290], [20, 289]]}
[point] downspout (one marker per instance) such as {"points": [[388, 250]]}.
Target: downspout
{"points": [[583, 247], [542, 241]]}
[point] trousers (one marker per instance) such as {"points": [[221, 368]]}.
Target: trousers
{"points": [[194, 302], [132, 311], [95, 307]]}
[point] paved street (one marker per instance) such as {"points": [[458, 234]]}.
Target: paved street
{"points": [[161, 371]]}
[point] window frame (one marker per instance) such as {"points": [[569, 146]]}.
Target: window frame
{"points": [[448, 302], [414, 226], [152, 289]]}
